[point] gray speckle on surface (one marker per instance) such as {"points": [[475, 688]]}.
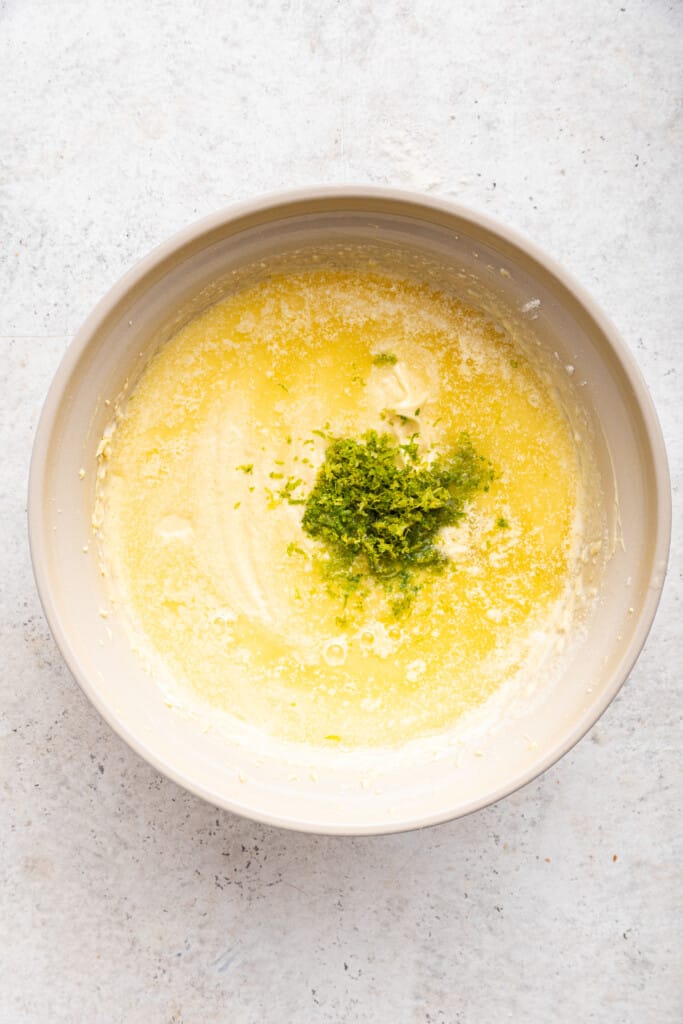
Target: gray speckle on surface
{"points": [[125, 899]]}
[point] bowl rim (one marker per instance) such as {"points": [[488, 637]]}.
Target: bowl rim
{"points": [[273, 203]]}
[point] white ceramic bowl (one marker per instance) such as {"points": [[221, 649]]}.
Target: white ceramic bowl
{"points": [[388, 790]]}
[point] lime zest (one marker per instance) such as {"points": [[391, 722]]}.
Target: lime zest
{"points": [[379, 508]]}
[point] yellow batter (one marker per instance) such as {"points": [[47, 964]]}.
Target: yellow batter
{"points": [[214, 567]]}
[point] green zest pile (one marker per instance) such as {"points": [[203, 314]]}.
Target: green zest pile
{"points": [[379, 507]]}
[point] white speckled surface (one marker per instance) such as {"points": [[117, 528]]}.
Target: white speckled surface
{"points": [[126, 900]]}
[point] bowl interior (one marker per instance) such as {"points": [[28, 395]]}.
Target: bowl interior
{"points": [[381, 790]]}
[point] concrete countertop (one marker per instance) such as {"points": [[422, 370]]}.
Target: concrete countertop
{"points": [[125, 899]]}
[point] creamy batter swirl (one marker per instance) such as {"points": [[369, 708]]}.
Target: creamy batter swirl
{"points": [[212, 566]]}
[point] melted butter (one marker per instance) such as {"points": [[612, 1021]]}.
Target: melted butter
{"points": [[216, 571]]}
